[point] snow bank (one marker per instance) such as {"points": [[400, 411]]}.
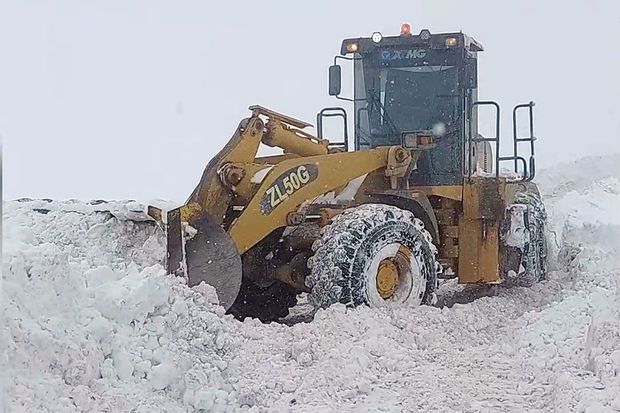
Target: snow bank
{"points": [[94, 324]]}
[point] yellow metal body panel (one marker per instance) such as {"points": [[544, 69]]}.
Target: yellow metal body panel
{"points": [[293, 140], [189, 211], [213, 197], [246, 189], [478, 251], [446, 191], [332, 171], [271, 159], [483, 208]]}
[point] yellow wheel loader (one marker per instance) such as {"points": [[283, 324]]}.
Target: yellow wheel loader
{"points": [[415, 196]]}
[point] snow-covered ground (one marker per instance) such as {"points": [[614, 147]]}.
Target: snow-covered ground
{"points": [[92, 323]]}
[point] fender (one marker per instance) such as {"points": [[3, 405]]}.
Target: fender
{"points": [[415, 201]]}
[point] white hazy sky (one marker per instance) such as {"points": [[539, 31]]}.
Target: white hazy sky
{"points": [[123, 99]]}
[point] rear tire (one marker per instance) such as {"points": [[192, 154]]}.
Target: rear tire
{"points": [[530, 252], [534, 257], [348, 259]]}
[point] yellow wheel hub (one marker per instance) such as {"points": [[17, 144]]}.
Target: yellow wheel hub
{"points": [[392, 271], [387, 278]]}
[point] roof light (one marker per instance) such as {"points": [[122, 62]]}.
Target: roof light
{"points": [[376, 37], [405, 29], [451, 41], [425, 34], [352, 47]]}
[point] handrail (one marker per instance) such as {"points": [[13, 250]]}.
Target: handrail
{"points": [[529, 167], [329, 113], [531, 138], [493, 139]]}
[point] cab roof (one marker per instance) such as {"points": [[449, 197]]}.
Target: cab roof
{"points": [[423, 39]]}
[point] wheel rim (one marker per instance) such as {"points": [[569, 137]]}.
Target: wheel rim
{"points": [[387, 278], [394, 277]]}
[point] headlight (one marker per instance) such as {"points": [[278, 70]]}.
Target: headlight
{"points": [[351, 47], [451, 41], [425, 34], [376, 37]]}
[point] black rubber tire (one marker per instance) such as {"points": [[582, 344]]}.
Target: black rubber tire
{"points": [[269, 303], [534, 257], [348, 245]]}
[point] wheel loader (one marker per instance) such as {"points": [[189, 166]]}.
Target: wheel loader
{"points": [[416, 195]]}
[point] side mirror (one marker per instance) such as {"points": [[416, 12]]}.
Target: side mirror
{"points": [[471, 73], [334, 80]]}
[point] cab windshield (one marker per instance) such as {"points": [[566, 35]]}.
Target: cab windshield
{"points": [[396, 96]]}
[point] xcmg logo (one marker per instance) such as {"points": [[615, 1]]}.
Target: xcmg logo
{"points": [[403, 54]]}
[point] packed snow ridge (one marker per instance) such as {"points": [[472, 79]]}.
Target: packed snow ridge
{"points": [[93, 323]]}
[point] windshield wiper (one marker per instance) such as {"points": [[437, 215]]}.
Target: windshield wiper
{"points": [[375, 100]]}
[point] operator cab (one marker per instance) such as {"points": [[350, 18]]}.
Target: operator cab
{"points": [[422, 84]]}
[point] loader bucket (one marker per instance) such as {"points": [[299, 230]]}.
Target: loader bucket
{"points": [[202, 251]]}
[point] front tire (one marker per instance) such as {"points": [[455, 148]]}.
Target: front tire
{"points": [[378, 255]]}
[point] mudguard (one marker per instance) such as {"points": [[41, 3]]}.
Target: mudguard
{"points": [[413, 201]]}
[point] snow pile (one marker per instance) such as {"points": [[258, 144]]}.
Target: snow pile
{"points": [[94, 324], [587, 219]]}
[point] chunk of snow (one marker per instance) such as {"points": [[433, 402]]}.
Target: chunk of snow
{"points": [[259, 176], [162, 375], [122, 364]]}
